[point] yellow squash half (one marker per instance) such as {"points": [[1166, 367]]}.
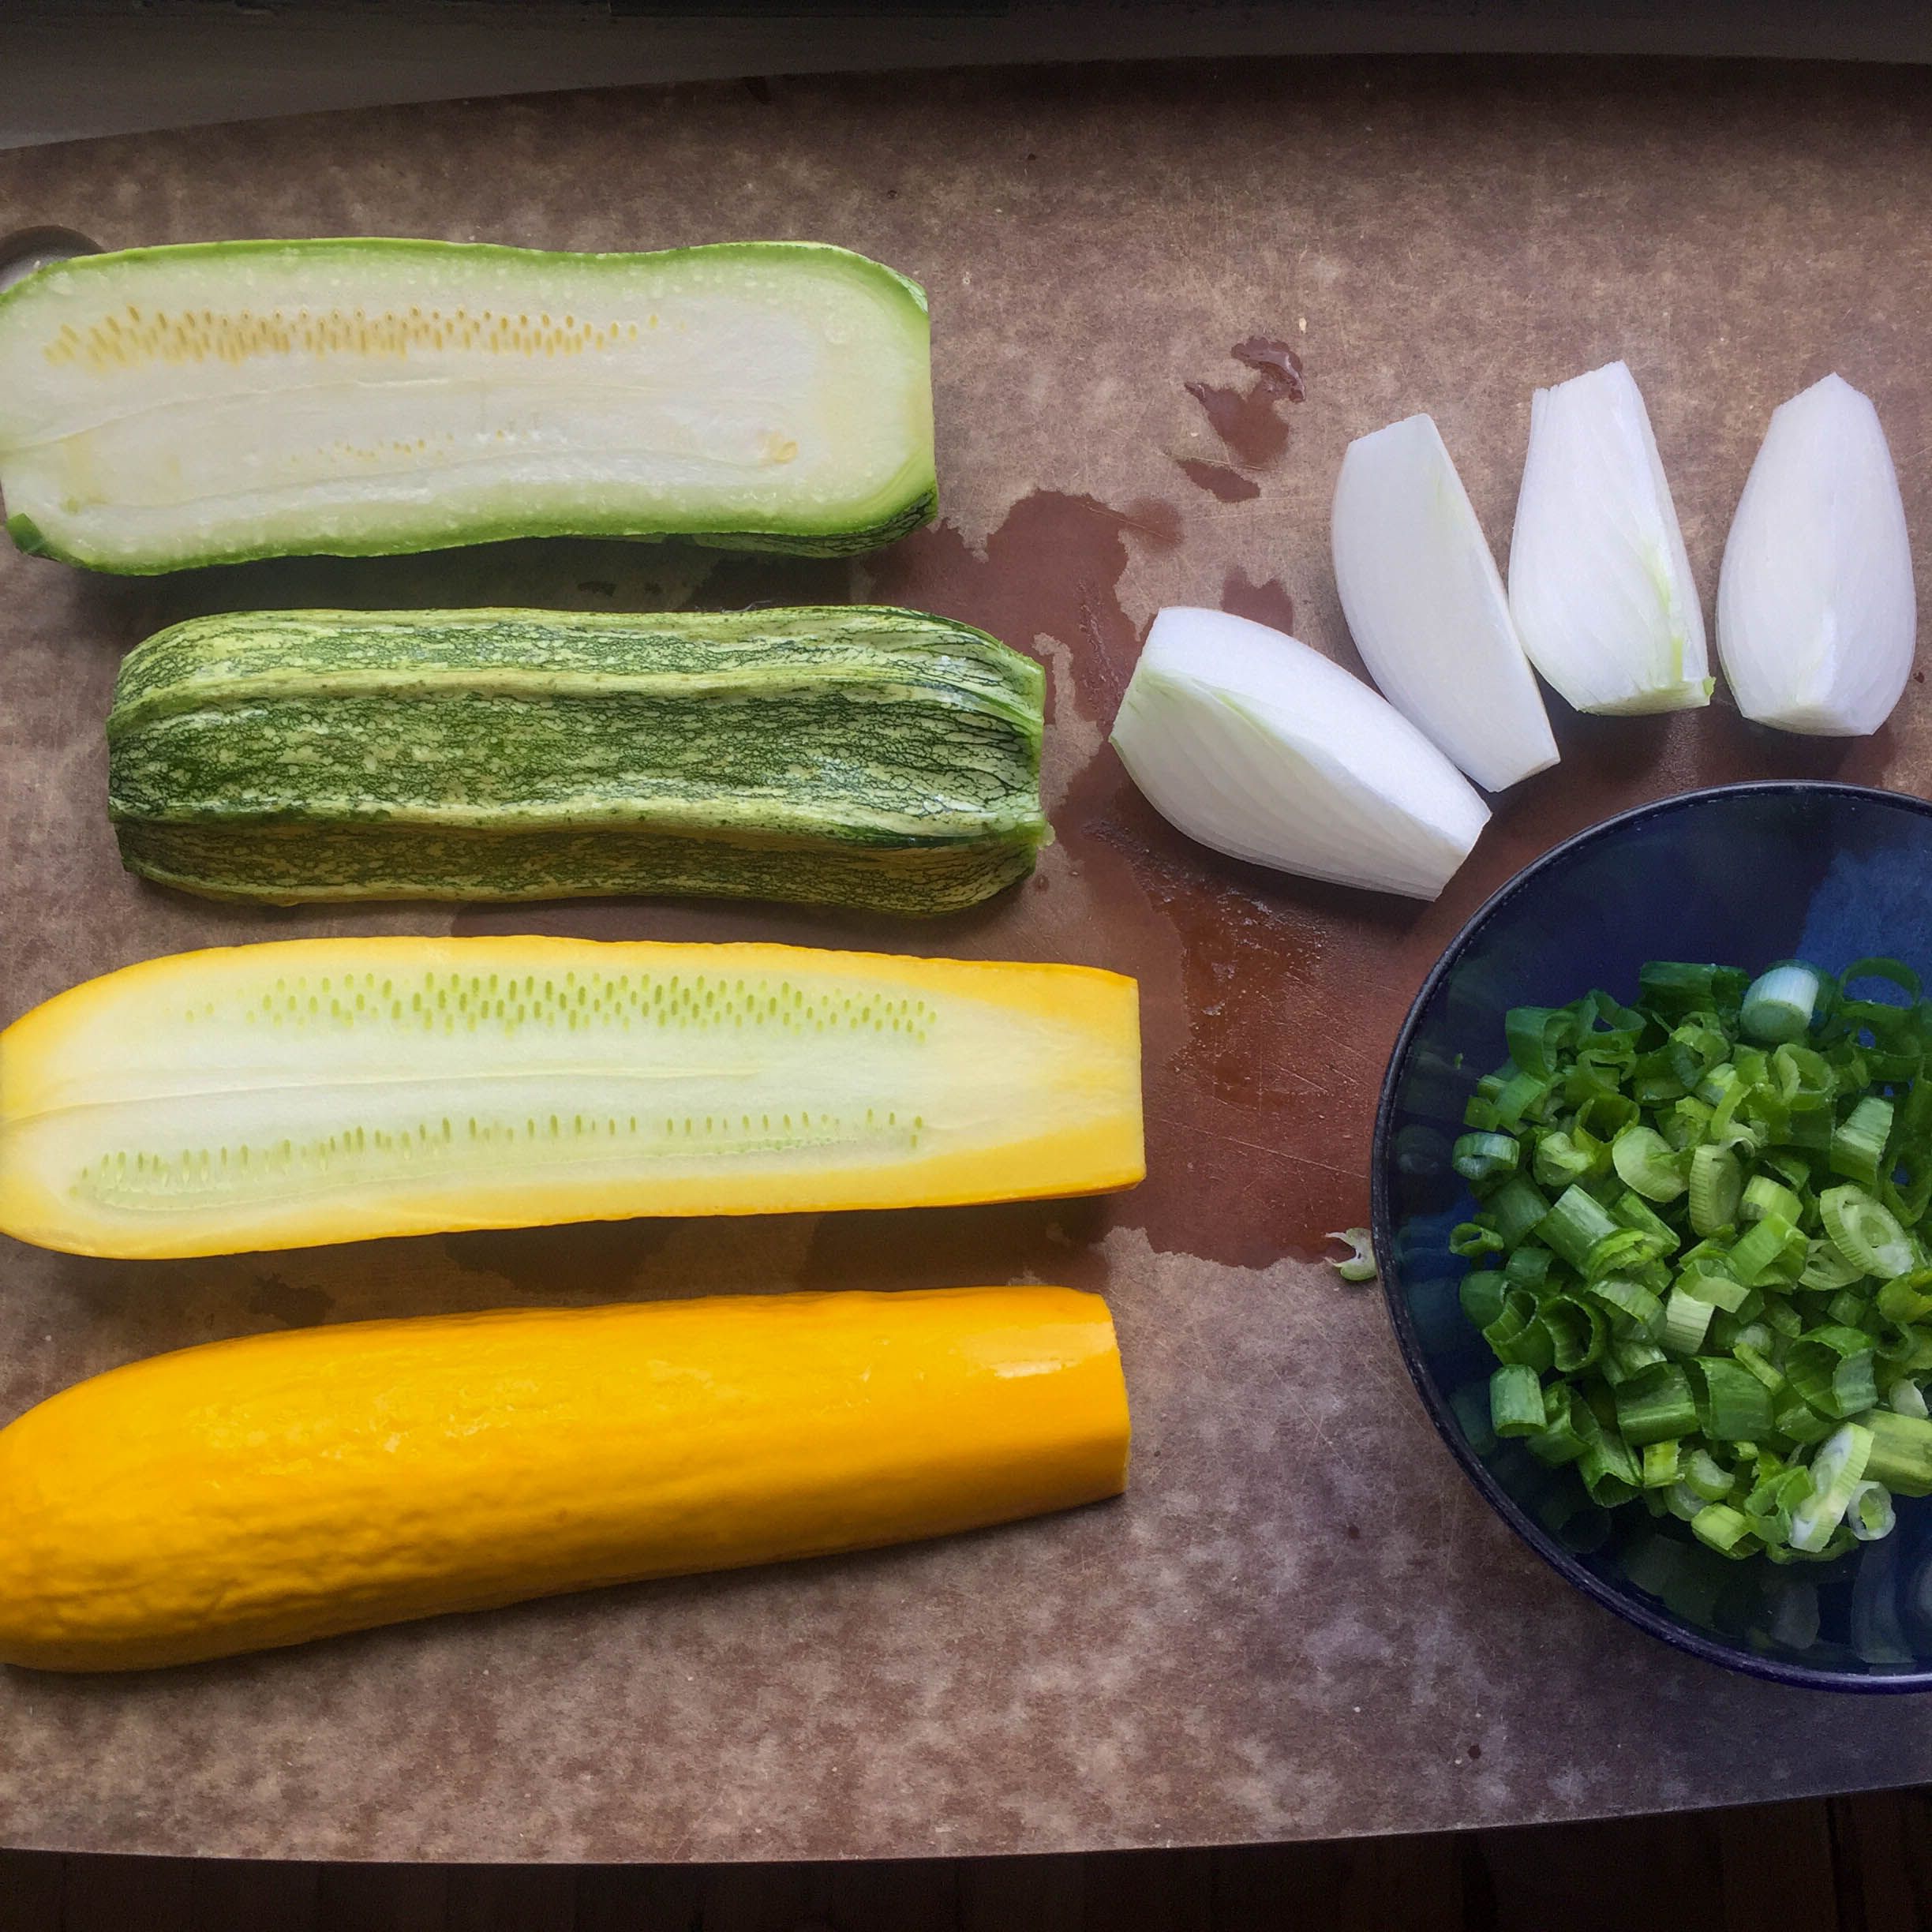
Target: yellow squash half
{"points": [[332, 1090], [259, 1492]]}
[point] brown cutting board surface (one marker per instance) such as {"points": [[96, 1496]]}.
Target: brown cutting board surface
{"points": [[1302, 1621]]}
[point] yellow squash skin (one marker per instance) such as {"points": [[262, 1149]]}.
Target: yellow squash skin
{"points": [[249, 1494], [332, 1090]]}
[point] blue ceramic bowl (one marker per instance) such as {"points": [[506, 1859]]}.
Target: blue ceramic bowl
{"points": [[1744, 875]]}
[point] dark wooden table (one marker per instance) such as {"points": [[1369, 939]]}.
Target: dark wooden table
{"points": [[1861, 1864]]}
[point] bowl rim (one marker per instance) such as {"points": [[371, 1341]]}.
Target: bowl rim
{"points": [[1625, 1605]]}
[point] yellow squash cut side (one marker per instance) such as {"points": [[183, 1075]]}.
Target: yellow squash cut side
{"points": [[333, 1090], [259, 1492]]}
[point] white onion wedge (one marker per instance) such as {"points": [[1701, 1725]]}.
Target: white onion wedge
{"points": [[1816, 616], [1250, 742], [1425, 602], [1599, 579]]}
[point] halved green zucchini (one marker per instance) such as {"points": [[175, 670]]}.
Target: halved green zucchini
{"points": [[167, 407], [842, 756]]}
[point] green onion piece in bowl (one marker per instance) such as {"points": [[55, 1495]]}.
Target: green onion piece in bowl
{"points": [[1779, 1004], [1865, 1232]]}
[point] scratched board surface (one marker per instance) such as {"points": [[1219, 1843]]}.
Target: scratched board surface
{"points": [[1164, 299]]}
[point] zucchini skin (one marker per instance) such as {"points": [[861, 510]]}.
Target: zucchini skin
{"points": [[250, 1494], [908, 501], [860, 757]]}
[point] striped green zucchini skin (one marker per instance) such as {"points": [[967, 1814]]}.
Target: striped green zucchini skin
{"points": [[849, 756], [162, 408]]}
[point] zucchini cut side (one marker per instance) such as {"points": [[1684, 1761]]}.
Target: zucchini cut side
{"points": [[290, 1094], [171, 407], [857, 756]]}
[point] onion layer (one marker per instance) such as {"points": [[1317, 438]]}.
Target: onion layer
{"points": [[1249, 741]]}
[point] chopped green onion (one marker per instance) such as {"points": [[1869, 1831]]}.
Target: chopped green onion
{"points": [[1779, 1004], [1575, 1224], [1646, 1162], [1764, 1198], [1610, 1473], [1516, 1207], [1686, 1320], [1722, 1527], [1766, 1252], [1831, 1369], [1858, 1145], [1483, 1156], [1864, 1232], [1797, 1419], [1672, 988], [1699, 1252], [1901, 1452], [1706, 1477], [1760, 1364], [1631, 1210], [1870, 1514], [1826, 1267], [1907, 1298], [1516, 1400], [1518, 1095], [1894, 972], [1905, 1397], [1849, 1309], [1482, 1294], [1656, 1405], [1705, 1283], [1470, 1238], [1519, 1334], [1638, 1307], [1577, 1333], [1836, 1472], [1717, 1186], [1733, 1406], [1359, 1264], [1560, 1441], [1537, 1036], [1561, 1158]]}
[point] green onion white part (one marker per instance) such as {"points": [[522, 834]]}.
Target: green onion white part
{"points": [[1870, 1514], [1599, 582], [1780, 1004], [1255, 745], [1817, 616], [1426, 606], [1836, 1472]]}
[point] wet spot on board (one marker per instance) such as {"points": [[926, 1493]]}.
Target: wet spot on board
{"points": [[582, 1261], [1052, 568], [291, 1303], [1278, 366], [1267, 602], [1252, 430], [1224, 484], [750, 582], [1247, 421], [1159, 522]]}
